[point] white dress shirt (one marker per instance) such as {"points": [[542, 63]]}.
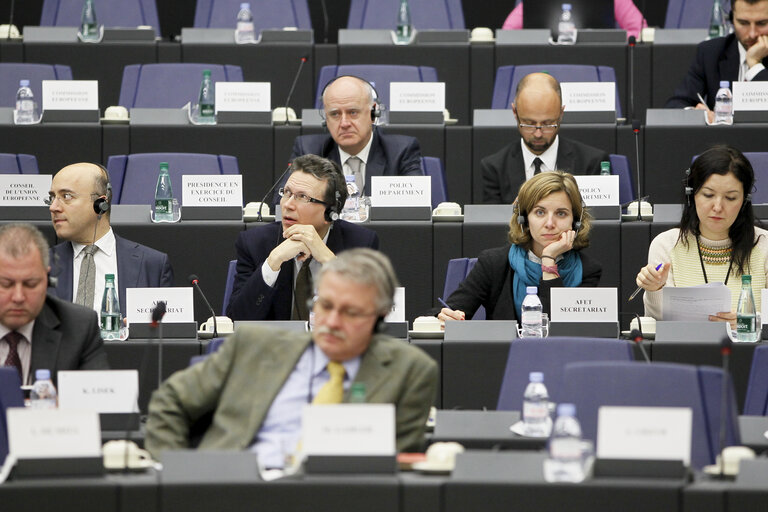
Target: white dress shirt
{"points": [[105, 259], [548, 158]]}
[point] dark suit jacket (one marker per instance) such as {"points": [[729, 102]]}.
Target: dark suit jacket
{"points": [[240, 381], [489, 284], [138, 266], [252, 298], [716, 60], [390, 155], [66, 336], [504, 171]]}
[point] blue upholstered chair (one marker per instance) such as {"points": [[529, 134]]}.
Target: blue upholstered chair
{"points": [[267, 14], [12, 72], [425, 14], [18, 164], [110, 13]]}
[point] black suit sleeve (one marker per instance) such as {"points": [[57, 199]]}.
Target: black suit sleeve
{"points": [[694, 82], [166, 276], [410, 162], [491, 182], [93, 356], [251, 296]]}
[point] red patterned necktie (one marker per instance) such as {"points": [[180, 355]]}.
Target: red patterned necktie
{"points": [[13, 338]]}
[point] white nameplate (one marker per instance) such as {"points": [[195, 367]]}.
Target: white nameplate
{"points": [[417, 96], [179, 304], [401, 191], [44, 433], [212, 190], [243, 97], [99, 390], [24, 189], [70, 95], [398, 310], [599, 190], [582, 304], [589, 96], [349, 429], [644, 433], [750, 96]]}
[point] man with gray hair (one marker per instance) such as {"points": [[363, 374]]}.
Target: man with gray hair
{"points": [[257, 383], [39, 331]]}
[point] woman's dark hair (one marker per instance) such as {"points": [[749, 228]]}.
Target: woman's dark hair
{"points": [[722, 160]]}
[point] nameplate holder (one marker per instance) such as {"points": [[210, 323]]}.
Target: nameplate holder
{"points": [[416, 117], [401, 213], [599, 190], [285, 325], [58, 467], [690, 332], [750, 96], [752, 472], [644, 433], [206, 191], [396, 329], [243, 97], [584, 305], [632, 468], [179, 302], [107, 391], [350, 464], [120, 421], [750, 116], [118, 34], [481, 330], [397, 313], [596, 117], [244, 117], [605, 212], [442, 36], [585, 329], [71, 116], [602, 35], [526, 36], [361, 432], [158, 116], [212, 212], [589, 96], [401, 191], [143, 330], [79, 98], [287, 36], [25, 190]]}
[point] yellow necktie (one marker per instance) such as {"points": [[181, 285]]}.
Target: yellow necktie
{"points": [[332, 391]]}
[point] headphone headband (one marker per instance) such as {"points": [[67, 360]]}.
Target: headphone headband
{"points": [[375, 108]]}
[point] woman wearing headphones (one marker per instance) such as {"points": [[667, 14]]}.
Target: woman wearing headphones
{"points": [[716, 241], [547, 229]]}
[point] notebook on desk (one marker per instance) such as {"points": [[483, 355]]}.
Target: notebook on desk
{"points": [[584, 13]]}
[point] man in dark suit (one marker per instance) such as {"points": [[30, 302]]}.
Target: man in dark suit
{"points": [[80, 200], [741, 56], [269, 284], [350, 110], [539, 109], [258, 382], [38, 331]]}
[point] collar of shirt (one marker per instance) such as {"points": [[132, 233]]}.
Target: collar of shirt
{"points": [[362, 155], [320, 360], [106, 244], [548, 157], [24, 330]]}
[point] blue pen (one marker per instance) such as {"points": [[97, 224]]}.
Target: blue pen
{"points": [[441, 301], [634, 294]]}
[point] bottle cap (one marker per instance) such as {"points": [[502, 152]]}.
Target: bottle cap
{"points": [[531, 290], [746, 279], [536, 377], [163, 166], [566, 410], [567, 7], [109, 277], [206, 73], [23, 83], [43, 374], [245, 5], [724, 84]]}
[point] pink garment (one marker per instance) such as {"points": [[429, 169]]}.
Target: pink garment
{"points": [[627, 15]]}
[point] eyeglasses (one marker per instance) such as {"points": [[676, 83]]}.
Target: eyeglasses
{"points": [[286, 194], [352, 114], [325, 306], [66, 197], [545, 128]]}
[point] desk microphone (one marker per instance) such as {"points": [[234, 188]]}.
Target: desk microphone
{"points": [[195, 282], [303, 61], [725, 352], [157, 317], [272, 189], [632, 42], [637, 337], [636, 131]]}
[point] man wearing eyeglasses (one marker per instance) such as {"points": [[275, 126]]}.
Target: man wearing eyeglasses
{"points": [[258, 382], [79, 201], [277, 263], [539, 109]]}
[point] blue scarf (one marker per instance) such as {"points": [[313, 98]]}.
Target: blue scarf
{"points": [[528, 273]]}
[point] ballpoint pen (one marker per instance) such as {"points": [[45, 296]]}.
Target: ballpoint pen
{"points": [[698, 95], [634, 294], [441, 301]]}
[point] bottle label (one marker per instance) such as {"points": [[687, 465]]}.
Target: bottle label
{"points": [[535, 411], [745, 324], [163, 206], [568, 448], [531, 317]]}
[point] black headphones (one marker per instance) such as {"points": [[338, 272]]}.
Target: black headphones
{"points": [[102, 204], [689, 191], [332, 210], [522, 217], [375, 108]]}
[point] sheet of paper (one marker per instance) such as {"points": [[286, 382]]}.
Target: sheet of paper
{"points": [[695, 303]]}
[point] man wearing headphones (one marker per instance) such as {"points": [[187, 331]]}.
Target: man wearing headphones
{"points": [[362, 150], [79, 201], [741, 56], [257, 383], [276, 262]]}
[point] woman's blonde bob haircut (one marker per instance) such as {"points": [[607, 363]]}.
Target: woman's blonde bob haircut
{"points": [[536, 189]]}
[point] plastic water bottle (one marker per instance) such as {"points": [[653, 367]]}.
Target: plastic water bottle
{"points": [[565, 28], [404, 26], [351, 210], [89, 29], [717, 26], [605, 168], [163, 209], [724, 104], [43, 394], [25, 104], [746, 316], [244, 32], [536, 406], [110, 310], [206, 99], [531, 313], [565, 446]]}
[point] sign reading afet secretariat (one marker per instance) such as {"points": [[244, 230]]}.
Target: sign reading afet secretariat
{"points": [[180, 305]]}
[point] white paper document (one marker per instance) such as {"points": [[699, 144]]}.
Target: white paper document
{"points": [[695, 303]]}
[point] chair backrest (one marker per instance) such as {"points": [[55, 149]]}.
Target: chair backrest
{"points": [[756, 403], [169, 85], [458, 270], [229, 285], [10, 396], [379, 75], [433, 167], [12, 72], [110, 13], [18, 164], [507, 78], [550, 357], [594, 384], [425, 14], [267, 14], [621, 167], [759, 161], [690, 13], [134, 177], [711, 382]]}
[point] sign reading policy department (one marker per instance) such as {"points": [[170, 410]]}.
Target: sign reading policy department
{"points": [[212, 190], [179, 304], [401, 191], [584, 304]]}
